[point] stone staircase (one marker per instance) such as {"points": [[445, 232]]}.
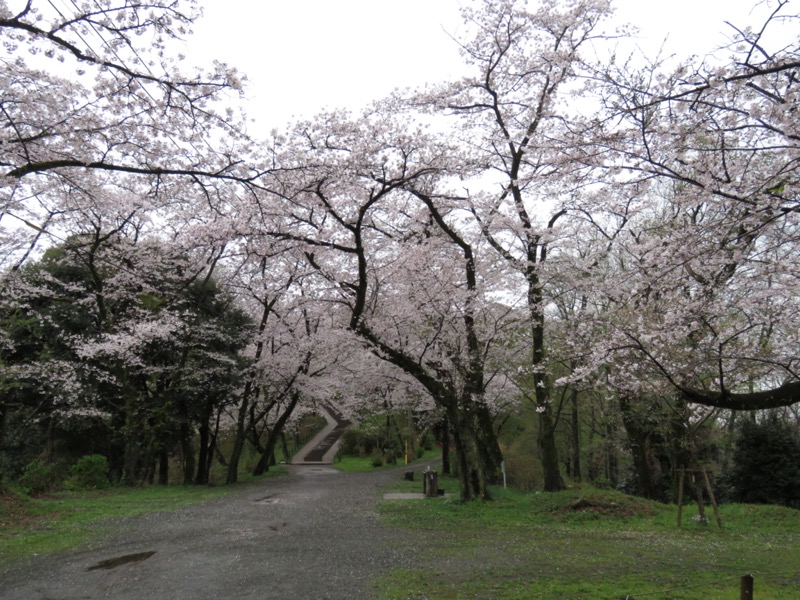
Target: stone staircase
{"points": [[322, 449]]}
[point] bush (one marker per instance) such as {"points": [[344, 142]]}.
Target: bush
{"points": [[523, 467], [39, 477], [766, 463], [89, 473], [356, 442], [377, 459]]}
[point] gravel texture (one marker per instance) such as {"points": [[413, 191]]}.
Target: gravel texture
{"points": [[313, 534]]}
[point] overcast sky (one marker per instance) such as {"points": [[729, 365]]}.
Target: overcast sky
{"points": [[302, 56]]}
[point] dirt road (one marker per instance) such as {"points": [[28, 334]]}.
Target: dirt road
{"points": [[311, 535]]}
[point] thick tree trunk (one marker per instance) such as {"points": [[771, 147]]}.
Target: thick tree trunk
{"points": [[551, 472], [548, 450], [488, 445], [640, 443], [475, 462]]}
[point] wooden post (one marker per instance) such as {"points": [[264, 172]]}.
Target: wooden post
{"points": [[746, 588], [711, 496], [430, 484], [698, 492], [681, 474]]}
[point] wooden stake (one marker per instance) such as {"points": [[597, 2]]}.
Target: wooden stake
{"points": [[681, 474], [746, 588], [711, 496]]}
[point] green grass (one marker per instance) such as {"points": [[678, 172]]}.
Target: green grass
{"points": [[592, 544], [356, 464], [66, 520]]}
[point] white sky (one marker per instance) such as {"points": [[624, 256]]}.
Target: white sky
{"points": [[301, 56]]}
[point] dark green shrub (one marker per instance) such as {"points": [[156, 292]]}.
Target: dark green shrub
{"points": [[89, 473], [766, 463], [39, 477], [357, 442], [377, 459]]}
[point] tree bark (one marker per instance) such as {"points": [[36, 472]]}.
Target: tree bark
{"points": [[274, 435], [551, 472], [576, 438], [640, 441]]}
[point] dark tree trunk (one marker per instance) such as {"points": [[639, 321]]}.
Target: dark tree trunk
{"points": [[553, 481], [611, 456], [648, 470], [163, 466], [239, 439], [446, 446], [240, 435], [187, 451], [212, 447], [277, 430], [204, 450], [576, 438]]}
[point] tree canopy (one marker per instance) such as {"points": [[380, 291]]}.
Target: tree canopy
{"points": [[560, 220]]}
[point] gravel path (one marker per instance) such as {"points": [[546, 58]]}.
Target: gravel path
{"points": [[311, 535]]}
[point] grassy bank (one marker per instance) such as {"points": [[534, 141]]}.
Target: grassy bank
{"points": [[591, 544], [364, 464], [30, 526]]}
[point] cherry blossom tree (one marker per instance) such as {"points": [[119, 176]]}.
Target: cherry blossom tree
{"points": [[510, 118], [359, 200], [702, 290], [144, 339], [95, 111]]}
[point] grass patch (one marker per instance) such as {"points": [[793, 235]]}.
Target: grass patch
{"points": [[66, 520], [356, 464], [588, 543]]}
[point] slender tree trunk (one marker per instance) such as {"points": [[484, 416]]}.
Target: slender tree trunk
{"points": [[446, 446], [213, 448], [49, 442], [187, 450], [204, 450], [611, 455], [3, 412], [239, 439], [163, 466], [284, 446], [274, 435], [576, 438]]}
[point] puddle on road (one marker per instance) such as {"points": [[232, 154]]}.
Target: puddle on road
{"points": [[112, 563], [271, 499]]}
